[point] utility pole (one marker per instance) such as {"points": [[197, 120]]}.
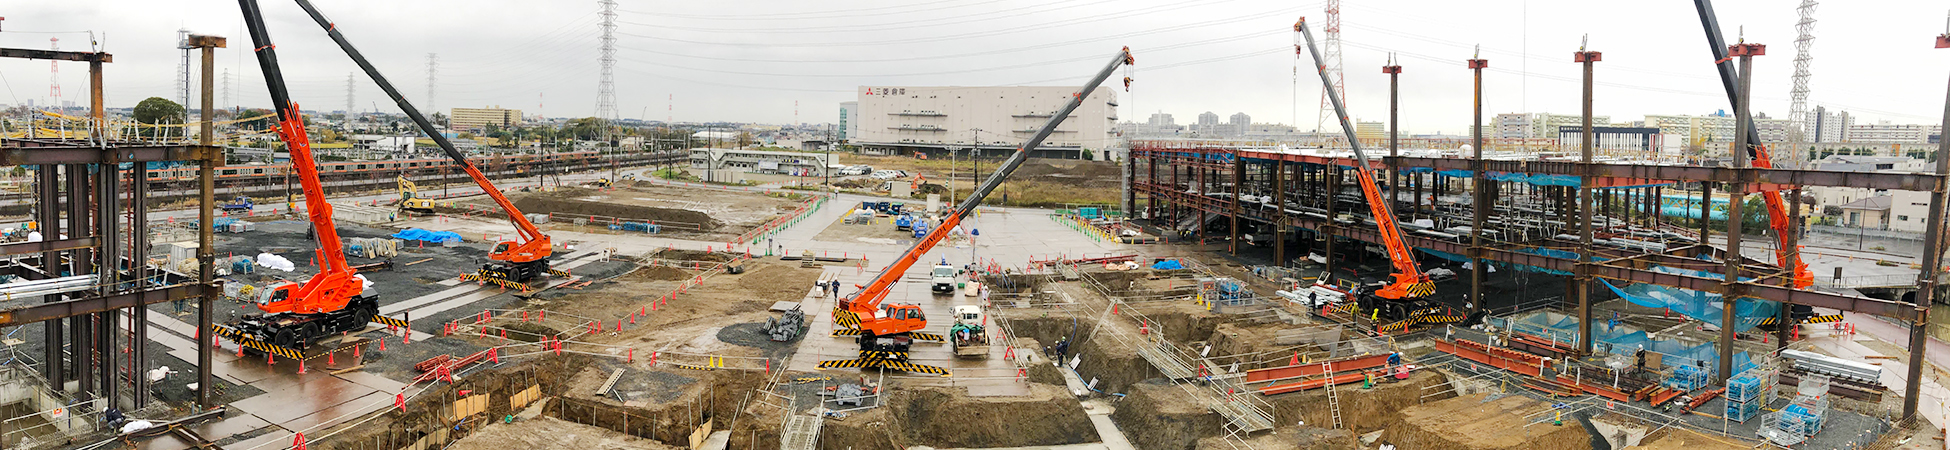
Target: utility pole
{"points": [[1479, 184], [1583, 276]]}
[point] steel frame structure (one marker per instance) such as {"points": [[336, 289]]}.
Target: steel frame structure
{"points": [[83, 197]]}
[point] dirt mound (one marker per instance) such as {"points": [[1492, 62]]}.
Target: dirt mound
{"points": [[559, 204], [1469, 422], [949, 418], [779, 282], [657, 273], [692, 255]]}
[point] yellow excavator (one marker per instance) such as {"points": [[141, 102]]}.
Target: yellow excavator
{"points": [[409, 198]]}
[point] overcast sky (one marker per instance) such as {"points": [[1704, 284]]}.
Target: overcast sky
{"points": [[750, 61]]}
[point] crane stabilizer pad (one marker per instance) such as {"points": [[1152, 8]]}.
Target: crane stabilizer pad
{"points": [[560, 272], [389, 321], [484, 278], [926, 336], [866, 360], [1395, 327], [1419, 290], [253, 344], [1441, 319]]}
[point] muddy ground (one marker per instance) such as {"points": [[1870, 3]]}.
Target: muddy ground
{"points": [[549, 433], [686, 211]]}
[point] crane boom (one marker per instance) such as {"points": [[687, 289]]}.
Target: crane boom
{"points": [[869, 298], [1409, 280], [534, 245], [1777, 214], [334, 285]]}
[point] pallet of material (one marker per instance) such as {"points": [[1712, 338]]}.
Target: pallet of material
{"points": [[1841, 386]]}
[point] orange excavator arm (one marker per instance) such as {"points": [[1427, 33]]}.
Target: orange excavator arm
{"points": [[533, 245], [1409, 279], [869, 298], [335, 283]]}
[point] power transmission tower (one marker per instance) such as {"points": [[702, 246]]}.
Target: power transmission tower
{"points": [[183, 72], [606, 86], [53, 79], [433, 68], [226, 87], [1331, 62], [348, 101], [1798, 112]]}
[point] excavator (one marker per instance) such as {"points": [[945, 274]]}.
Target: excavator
{"points": [[886, 331], [337, 298], [519, 261], [409, 198], [1403, 302]]}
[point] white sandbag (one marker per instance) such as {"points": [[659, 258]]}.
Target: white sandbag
{"points": [[274, 261]]}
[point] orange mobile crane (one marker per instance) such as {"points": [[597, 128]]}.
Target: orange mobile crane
{"points": [[1403, 300], [519, 261], [1786, 252], [335, 299], [886, 331]]}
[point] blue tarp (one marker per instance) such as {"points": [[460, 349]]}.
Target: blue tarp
{"points": [[416, 234], [1168, 264], [1703, 306]]}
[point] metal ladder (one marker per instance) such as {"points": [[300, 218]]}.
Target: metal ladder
{"points": [[1333, 396]]}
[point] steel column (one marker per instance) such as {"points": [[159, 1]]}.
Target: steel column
{"points": [[1483, 203], [1932, 271], [1331, 228], [205, 213], [1238, 178], [1582, 276], [1735, 197], [1279, 198], [48, 222]]}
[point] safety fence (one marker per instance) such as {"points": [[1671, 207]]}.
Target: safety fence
{"points": [[54, 419], [1081, 225], [778, 225]]}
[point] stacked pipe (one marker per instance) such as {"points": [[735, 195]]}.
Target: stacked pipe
{"points": [[1823, 364], [48, 287]]}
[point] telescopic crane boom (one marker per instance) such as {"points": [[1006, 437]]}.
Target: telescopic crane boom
{"points": [[335, 298], [1785, 252], [1410, 282], [520, 260], [886, 331]]}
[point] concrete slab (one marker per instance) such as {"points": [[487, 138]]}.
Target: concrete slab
{"points": [[229, 426], [286, 403], [373, 380], [341, 412], [168, 441], [276, 439]]}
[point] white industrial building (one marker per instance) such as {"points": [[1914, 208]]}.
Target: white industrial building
{"points": [[902, 120]]}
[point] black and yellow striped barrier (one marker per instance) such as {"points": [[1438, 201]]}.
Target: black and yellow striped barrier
{"points": [[236, 336], [880, 359], [1423, 289], [389, 321], [1816, 319], [844, 318]]}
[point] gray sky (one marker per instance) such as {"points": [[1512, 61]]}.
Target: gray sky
{"points": [[752, 60]]}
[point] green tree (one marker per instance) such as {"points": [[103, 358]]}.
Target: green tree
{"points": [[587, 128], [263, 119], [440, 119], [158, 110]]}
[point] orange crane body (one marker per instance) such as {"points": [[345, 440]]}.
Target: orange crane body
{"points": [[527, 256], [865, 311], [1409, 282]]}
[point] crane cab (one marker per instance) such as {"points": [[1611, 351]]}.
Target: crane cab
{"points": [[895, 318]]}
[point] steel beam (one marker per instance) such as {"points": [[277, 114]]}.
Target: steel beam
{"points": [[28, 53], [35, 152], [71, 308], [22, 248]]}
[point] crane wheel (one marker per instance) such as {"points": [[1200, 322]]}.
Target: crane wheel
{"points": [[284, 337]]}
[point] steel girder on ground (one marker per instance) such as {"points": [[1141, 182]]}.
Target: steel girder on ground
{"points": [[1632, 269]]}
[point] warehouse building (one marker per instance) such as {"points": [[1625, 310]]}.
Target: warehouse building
{"points": [[904, 120]]}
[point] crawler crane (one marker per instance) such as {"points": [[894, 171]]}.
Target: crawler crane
{"points": [[887, 330]]}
